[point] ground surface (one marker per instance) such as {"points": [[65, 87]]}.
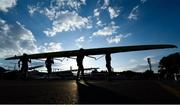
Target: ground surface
{"points": [[68, 91]]}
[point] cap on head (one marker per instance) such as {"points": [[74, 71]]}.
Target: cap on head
{"points": [[81, 49]]}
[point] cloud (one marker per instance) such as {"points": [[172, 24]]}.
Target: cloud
{"points": [[113, 12], [79, 41], [15, 39], [143, 1], [105, 5], [65, 17], [32, 9], [132, 60], [50, 13], [68, 4], [50, 47], [153, 60], [106, 2], [144, 67], [100, 24], [145, 58], [141, 67], [7, 4], [107, 31], [68, 21], [134, 13], [97, 16], [83, 1], [117, 39], [114, 39], [96, 13]]}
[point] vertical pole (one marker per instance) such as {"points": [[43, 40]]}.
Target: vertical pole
{"points": [[149, 62]]}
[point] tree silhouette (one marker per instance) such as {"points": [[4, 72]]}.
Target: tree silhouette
{"points": [[170, 65], [148, 74]]}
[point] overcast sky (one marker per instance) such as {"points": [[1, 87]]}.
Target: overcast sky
{"points": [[34, 26]]}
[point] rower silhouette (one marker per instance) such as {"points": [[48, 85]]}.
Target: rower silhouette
{"points": [[49, 61], [79, 60], [24, 68], [108, 65]]}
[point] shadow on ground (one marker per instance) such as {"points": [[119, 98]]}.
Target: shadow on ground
{"points": [[89, 93]]}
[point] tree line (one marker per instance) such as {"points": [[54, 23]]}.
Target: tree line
{"points": [[169, 66]]}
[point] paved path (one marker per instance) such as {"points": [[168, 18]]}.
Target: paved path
{"points": [[68, 91]]}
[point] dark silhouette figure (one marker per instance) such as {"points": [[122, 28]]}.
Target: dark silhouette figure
{"points": [[49, 61], [108, 65], [79, 60], [24, 68], [149, 62]]}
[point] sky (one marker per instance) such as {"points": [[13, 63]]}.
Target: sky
{"points": [[36, 26]]}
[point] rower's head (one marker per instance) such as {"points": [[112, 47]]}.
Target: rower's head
{"points": [[81, 52], [24, 54], [49, 58], [81, 49]]}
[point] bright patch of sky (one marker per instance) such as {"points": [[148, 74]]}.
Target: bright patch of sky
{"points": [[35, 26]]}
